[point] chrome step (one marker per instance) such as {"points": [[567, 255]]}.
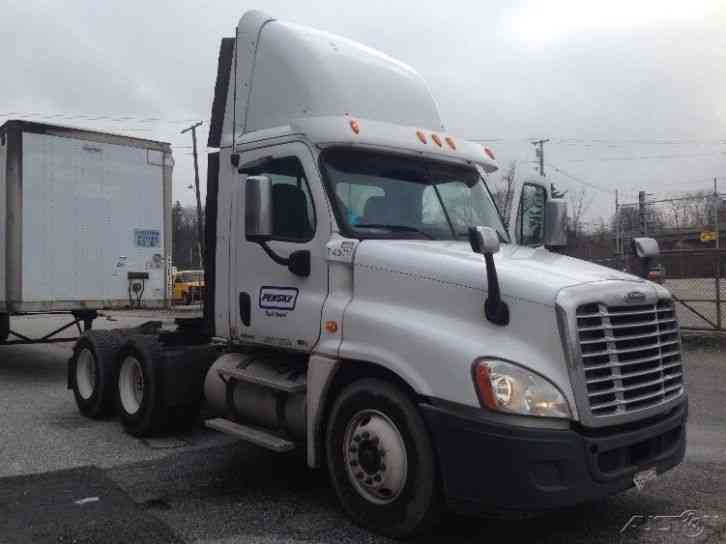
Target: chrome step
{"points": [[254, 435], [267, 376]]}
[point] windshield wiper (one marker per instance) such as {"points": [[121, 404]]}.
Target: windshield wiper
{"points": [[400, 228]]}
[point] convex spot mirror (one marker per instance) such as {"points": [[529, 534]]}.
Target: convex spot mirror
{"points": [[645, 248], [484, 240], [555, 227], [258, 208]]}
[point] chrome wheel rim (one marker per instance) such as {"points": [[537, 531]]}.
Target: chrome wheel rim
{"points": [[131, 385], [375, 456], [86, 374]]}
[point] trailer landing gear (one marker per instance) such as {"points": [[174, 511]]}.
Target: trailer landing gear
{"points": [[80, 317]]}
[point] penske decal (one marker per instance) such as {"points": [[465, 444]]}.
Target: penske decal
{"points": [[278, 298]]}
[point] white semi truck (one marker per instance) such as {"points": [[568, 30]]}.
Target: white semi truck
{"points": [[366, 304]]}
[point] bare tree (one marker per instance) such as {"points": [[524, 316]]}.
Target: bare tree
{"points": [[580, 203], [503, 191], [693, 211]]}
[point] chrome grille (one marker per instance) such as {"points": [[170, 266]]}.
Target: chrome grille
{"points": [[631, 356]]}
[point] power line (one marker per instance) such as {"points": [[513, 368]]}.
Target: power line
{"points": [[580, 180], [646, 157], [116, 118], [615, 141]]}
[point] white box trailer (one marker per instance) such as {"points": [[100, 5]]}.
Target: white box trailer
{"points": [[85, 220]]}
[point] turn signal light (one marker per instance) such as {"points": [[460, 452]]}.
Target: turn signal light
{"points": [[355, 127], [436, 139], [489, 153], [450, 141], [421, 136], [482, 379], [331, 326]]}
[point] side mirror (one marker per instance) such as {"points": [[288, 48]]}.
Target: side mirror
{"points": [[483, 240], [645, 248], [258, 208], [555, 225]]}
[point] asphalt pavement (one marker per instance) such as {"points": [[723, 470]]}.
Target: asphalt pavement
{"points": [[203, 487]]}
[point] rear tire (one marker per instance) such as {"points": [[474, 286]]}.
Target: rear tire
{"points": [[92, 373], [381, 460], [138, 394], [4, 327]]}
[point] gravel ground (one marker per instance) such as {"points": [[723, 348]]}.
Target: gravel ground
{"points": [[210, 489]]}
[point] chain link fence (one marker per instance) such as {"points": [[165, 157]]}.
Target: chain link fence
{"points": [[691, 232]]}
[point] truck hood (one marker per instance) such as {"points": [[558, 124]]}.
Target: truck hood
{"points": [[533, 274]]}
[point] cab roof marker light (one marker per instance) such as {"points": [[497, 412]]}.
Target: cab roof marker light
{"points": [[489, 153], [436, 139], [354, 126], [450, 141], [421, 136]]}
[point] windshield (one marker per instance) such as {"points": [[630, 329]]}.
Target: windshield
{"points": [[394, 196], [382, 195]]}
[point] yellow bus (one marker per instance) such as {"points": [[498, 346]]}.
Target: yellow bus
{"points": [[188, 286]]}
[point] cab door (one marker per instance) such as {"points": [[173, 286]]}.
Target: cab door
{"points": [[275, 306]]}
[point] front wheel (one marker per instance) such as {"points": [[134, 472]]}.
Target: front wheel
{"points": [[381, 460]]}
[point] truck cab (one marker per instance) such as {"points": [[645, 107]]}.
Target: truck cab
{"points": [[346, 222], [374, 309]]}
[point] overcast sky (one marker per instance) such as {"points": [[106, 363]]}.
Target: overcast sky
{"points": [[631, 93]]}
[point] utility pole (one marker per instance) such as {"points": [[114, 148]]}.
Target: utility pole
{"points": [[642, 214], [539, 151], [200, 225], [716, 206], [617, 225]]}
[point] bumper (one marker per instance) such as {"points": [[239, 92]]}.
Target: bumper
{"points": [[488, 466]]}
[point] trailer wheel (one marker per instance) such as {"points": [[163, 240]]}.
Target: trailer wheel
{"points": [[381, 460], [91, 372], [138, 395]]}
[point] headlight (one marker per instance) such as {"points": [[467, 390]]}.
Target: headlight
{"points": [[506, 387]]}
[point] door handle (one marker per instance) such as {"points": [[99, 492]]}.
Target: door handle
{"points": [[245, 308]]}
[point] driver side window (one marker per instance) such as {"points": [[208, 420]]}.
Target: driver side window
{"points": [[294, 219], [530, 215]]}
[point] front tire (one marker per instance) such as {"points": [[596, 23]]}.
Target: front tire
{"points": [[381, 460], [92, 373]]}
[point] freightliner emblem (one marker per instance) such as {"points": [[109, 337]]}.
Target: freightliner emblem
{"points": [[635, 296]]}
